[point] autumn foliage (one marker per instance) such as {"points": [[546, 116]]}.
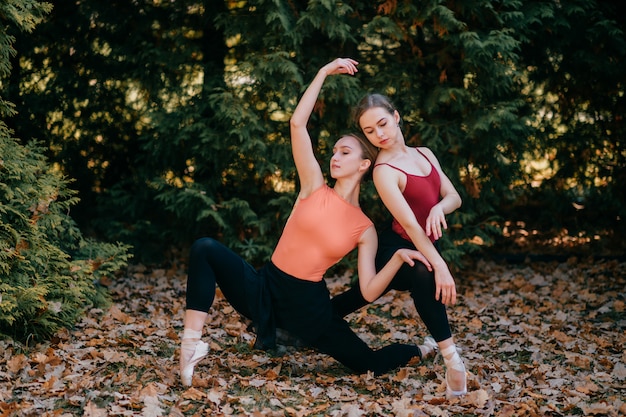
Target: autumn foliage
{"points": [[543, 339], [155, 122]]}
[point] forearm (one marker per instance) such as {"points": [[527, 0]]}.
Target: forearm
{"points": [[426, 247], [372, 288], [450, 202], [306, 104]]}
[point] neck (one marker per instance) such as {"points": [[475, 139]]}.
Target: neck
{"points": [[349, 190], [399, 147]]}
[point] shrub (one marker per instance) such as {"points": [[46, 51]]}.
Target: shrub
{"points": [[50, 273]]}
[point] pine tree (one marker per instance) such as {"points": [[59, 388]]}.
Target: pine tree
{"points": [[49, 273], [575, 52], [173, 116]]}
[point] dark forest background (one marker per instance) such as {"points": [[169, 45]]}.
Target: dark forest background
{"points": [[151, 123]]}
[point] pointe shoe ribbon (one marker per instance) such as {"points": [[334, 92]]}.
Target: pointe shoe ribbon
{"points": [[454, 362]]}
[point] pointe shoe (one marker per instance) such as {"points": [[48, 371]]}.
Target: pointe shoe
{"points": [[429, 348], [190, 356], [454, 362]]}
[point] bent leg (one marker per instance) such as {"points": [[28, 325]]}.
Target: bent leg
{"points": [[340, 342], [420, 282], [211, 264], [348, 301]]}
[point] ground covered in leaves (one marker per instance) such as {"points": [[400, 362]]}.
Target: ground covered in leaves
{"points": [[543, 339]]}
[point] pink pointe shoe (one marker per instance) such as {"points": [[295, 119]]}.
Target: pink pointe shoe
{"points": [[454, 363], [191, 353]]}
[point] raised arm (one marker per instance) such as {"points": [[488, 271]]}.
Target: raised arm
{"points": [[309, 171]]}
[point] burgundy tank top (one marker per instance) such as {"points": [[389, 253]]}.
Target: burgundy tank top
{"points": [[422, 193]]}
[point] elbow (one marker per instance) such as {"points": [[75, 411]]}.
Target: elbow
{"points": [[454, 200], [296, 124], [367, 296]]}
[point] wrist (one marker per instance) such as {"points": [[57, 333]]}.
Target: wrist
{"points": [[398, 256], [439, 265]]}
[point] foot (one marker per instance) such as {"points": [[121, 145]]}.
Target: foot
{"points": [[191, 353], [429, 348], [283, 337], [456, 382]]}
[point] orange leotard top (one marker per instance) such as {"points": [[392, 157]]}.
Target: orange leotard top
{"points": [[322, 229]]}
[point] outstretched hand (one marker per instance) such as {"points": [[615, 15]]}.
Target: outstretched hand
{"points": [[341, 66]]}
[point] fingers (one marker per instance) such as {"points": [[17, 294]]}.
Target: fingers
{"points": [[436, 226], [440, 227], [346, 65], [447, 295], [349, 61], [433, 227], [445, 292], [436, 223], [423, 260], [409, 256]]}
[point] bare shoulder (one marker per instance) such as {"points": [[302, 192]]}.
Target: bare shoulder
{"points": [[384, 158], [429, 154], [426, 151]]}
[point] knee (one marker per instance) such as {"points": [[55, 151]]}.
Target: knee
{"points": [[416, 273], [421, 271], [421, 276], [203, 245]]}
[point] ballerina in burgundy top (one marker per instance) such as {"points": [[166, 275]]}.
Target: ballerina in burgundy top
{"points": [[418, 194]]}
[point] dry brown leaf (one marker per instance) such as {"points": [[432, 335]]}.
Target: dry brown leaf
{"points": [[17, 362], [537, 339], [92, 410], [193, 394]]}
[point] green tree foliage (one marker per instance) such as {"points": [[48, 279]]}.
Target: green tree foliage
{"points": [[49, 272], [576, 55], [173, 116], [451, 69]]}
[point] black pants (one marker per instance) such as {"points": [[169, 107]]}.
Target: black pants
{"points": [[303, 308], [417, 279]]}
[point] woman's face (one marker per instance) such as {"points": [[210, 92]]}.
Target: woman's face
{"points": [[347, 158], [379, 126]]}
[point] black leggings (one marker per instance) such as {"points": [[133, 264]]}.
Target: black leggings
{"points": [[417, 279], [301, 307]]}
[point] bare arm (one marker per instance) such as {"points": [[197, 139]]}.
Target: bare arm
{"points": [[387, 182], [309, 171], [373, 284], [450, 200]]}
